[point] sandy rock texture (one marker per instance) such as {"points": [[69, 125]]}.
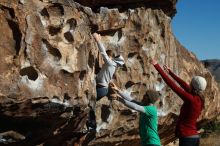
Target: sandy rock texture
{"points": [[49, 60]]}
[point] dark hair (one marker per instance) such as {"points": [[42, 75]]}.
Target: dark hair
{"points": [[152, 96], [117, 56], [110, 53]]}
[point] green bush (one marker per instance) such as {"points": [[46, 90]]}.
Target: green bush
{"points": [[211, 127]]}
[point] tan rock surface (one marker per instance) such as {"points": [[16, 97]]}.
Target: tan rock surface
{"points": [[48, 61]]}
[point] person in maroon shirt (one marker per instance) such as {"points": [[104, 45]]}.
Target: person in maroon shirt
{"points": [[193, 99]]}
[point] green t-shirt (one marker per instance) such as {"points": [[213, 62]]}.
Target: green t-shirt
{"points": [[148, 126]]}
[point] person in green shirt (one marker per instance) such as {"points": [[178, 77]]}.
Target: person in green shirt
{"points": [[148, 123]]}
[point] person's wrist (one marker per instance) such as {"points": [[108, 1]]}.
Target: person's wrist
{"points": [[169, 70], [98, 40]]}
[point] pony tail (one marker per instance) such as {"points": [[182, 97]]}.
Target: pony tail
{"points": [[201, 95]]}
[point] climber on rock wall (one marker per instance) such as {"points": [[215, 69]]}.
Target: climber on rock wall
{"points": [[186, 129], [148, 122], [105, 75]]}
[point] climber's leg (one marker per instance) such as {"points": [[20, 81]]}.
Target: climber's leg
{"points": [[101, 92]]}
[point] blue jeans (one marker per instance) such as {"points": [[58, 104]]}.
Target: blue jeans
{"points": [[189, 141], [101, 92]]}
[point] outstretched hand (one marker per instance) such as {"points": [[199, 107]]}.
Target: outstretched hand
{"points": [[167, 69], [114, 87], [97, 36], [153, 61], [115, 97]]}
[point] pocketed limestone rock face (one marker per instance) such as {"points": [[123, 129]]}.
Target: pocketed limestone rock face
{"points": [[49, 59], [168, 6]]}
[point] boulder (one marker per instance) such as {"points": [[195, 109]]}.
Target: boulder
{"points": [[49, 60]]}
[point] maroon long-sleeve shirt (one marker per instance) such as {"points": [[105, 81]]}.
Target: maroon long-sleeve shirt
{"points": [[191, 108]]}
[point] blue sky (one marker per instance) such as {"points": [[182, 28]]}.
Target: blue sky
{"points": [[197, 26]]}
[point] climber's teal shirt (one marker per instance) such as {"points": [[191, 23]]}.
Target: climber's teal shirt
{"points": [[148, 126], [148, 119]]}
